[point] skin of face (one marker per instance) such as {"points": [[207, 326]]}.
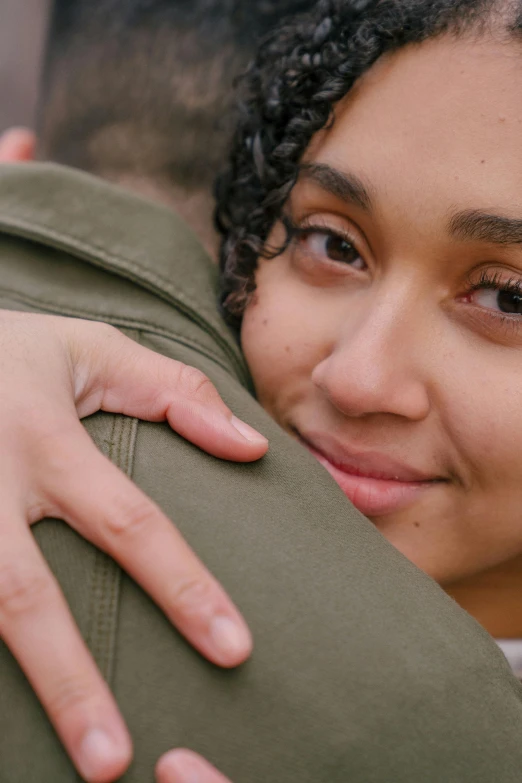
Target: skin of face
{"points": [[371, 345]]}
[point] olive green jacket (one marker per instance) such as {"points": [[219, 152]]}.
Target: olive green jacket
{"points": [[363, 670]]}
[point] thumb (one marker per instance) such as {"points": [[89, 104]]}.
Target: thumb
{"points": [[115, 374]]}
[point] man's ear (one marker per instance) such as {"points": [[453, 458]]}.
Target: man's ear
{"points": [[17, 145]]}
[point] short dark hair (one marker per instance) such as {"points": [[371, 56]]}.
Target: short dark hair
{"points": [[302, 70], [144, 87]]}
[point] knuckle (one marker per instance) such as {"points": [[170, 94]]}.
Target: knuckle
{"points": [[95, 329], [109, 336], [107, 330], [87, 341], [104, 347], [192, 596], [70, 693], [195, 383], [21, 591], [132, 520]]}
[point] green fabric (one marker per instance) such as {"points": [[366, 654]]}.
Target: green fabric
{"points": [[363, 670]]}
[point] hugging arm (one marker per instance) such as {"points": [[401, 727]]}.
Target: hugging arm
{"points": [[55, 371]]}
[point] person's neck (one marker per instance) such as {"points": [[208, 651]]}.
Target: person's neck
{"points": [[494, 598]]}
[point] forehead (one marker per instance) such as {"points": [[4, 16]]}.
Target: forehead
{"points": [[443, 116]]}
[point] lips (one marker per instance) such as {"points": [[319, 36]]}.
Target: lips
{"points": [[375, 483]]}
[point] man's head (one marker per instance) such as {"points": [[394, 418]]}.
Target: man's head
{"points": [[140, 91]]}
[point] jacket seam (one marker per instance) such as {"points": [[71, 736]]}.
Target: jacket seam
{"points": [[106, 584], [124, 322], [70, 240], [139, 274]]}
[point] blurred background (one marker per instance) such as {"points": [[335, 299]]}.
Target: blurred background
{"points": [[22, 32]]}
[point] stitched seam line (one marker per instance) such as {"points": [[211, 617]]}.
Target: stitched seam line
{"points": [[127, 322], [125, 460], [161, 286], [108, 620], [105, 582], [96, 253], [107, 578]]}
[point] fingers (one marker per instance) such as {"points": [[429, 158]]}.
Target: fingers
{"points": [[17, 145], [50, 462], [104, 506], [36, 625], [184, 766], [124, 377]]}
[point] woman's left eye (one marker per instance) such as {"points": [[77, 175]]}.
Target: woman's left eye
{"points": [[333, 246], [504, 300]]}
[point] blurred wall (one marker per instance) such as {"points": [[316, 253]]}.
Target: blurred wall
{"points": [[22, 32]]}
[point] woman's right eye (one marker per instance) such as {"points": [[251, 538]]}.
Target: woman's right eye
{"points": [[329, 245]]}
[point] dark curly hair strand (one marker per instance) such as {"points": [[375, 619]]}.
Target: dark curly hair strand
{"points": [[301, 72]]}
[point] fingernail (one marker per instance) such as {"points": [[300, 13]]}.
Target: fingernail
{"points": [[249, 433], [231, 639], [184, 769], [98, 751]]}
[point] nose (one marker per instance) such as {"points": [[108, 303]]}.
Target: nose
{"points": [[378, 365]]}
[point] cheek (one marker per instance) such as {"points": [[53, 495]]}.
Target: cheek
{"points": [[282, 338], [483, 419], [486, 420], [476, 523]]}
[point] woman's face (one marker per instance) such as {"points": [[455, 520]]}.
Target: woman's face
{"points": [[388, 337]]}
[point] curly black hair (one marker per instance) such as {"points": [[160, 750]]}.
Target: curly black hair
{"points": [[302, 70]]}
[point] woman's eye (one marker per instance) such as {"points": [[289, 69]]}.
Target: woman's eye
{"points": [[332, 246], [503, 300]]}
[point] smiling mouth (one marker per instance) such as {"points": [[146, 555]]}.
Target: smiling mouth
{"points": [[375, 484]]}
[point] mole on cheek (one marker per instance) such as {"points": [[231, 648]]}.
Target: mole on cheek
{"points": [[264, 321], [416, 524]]}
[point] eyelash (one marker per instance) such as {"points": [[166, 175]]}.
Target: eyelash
{"points": [[295, 232], [494, 282], [487, 280]]}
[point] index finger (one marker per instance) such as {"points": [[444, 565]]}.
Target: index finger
{"points": [[108, 509], [37, 626]]}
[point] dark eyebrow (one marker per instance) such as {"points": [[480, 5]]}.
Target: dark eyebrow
{"points": [[347, 187], [481, 226]]}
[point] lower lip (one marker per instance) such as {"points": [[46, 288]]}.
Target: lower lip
{"points": [[374, 497]]}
